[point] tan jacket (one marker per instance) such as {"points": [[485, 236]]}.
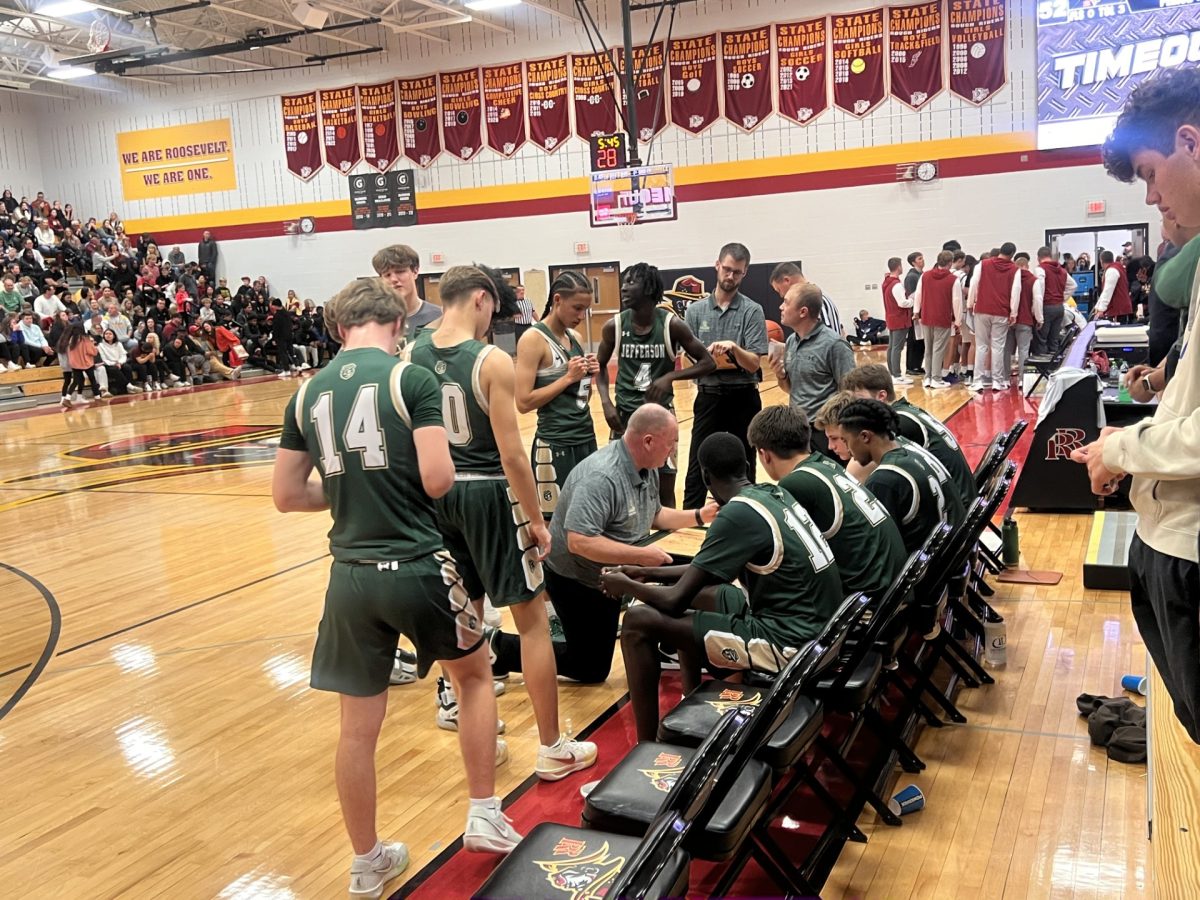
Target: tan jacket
{"points": [[1163, 456]]}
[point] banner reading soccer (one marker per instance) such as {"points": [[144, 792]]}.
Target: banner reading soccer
{"points": [[339, 128], [858, 61], [648, 88], [692, 73], [977, 35], [180, 159], [462, 112], [746, 59], [377, 108], [419, 119], [504, 107], [595, 103], [548, 86], [915, 52], [301, 146], [801, 54]]}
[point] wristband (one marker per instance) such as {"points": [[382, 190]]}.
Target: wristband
{"points": [[699, 520]]}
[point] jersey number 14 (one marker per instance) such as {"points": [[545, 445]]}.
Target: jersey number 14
{"points": [[362, 432]]}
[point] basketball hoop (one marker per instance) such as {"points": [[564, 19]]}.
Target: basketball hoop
{"points": [[99, 37], [625, 219]]}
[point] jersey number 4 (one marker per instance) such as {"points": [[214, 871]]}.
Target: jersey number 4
{"points": [[362, 432]]}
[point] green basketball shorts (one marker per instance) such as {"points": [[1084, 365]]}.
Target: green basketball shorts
{"points": [[552, 463]]}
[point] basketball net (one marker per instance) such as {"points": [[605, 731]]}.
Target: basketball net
{"points": [[626, 219]]}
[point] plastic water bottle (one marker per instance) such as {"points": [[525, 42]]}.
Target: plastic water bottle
{"points": [[995, 640]]}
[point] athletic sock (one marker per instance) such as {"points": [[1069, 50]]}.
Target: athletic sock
{"points": [[372, 857], [488, 806], [557, 745]]}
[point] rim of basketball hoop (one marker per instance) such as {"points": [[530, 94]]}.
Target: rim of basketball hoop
{"points": [[626, 220]]}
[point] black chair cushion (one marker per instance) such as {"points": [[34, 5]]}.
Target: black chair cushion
{"points": [[696, 715], [855, 693], [557, 861], [630, 796]]}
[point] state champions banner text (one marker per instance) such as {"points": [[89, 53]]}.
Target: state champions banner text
{"points": [[177, 160]]}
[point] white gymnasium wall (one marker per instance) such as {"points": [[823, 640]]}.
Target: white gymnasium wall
{"points": [[21, 167]]}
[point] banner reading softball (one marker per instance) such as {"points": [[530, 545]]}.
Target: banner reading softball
{"points": [[419, 119], [301, 146], [915, 52], [692, 73], [977, 37], [462, 112], [181, 159], [339, 128], [858, 61], [746, 61], [801, 55], [504, 107], [547, 86], [648, 64], [377, 107], [595, 101]]}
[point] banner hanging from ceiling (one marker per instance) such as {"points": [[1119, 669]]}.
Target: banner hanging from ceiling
{"points": [[648, 65], [377, 109], [462, 113], [977, 36], [419, 119], [801, 60], [301, 140], [857, 40], [593, 85], [548, 96], [915, 52], [196, 158], [692, 76], [746, 65], [339, 128], [504, 107]]}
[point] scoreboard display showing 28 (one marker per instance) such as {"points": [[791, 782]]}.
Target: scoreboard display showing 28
{"points": [[609, 152]]}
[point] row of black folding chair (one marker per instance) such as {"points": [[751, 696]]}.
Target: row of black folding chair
{"points": [[998, 451], [1047, 365]]}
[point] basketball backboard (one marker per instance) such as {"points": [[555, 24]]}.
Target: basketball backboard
{"points": [[647, 191]]}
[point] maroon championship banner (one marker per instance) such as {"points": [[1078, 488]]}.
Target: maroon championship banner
{"points": [[915, 52], [801, 60], [977, 37], [339, 128], [301, 142], [746, 62], [462, 112], [648, 65], [419, 118], [504, 107], [692, 74], [595, 101], [857, 41], [377, 109], [547, 89]]}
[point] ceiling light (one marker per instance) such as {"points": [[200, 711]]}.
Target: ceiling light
{"points": [[66, 8], [309, 16], [484, 5], [69, 73]]}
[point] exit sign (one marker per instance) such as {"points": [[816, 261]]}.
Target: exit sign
{"points": [[1095, 207]]}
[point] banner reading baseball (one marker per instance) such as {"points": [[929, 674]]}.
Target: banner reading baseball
{"points": [[648, 63], [339, 128], [377, 108], [977, 35], [692, 73], [462, 112], [504, 107], [592, 85], [915, 52], [547, 87], [419, 119], [746, 63], [301, 141], [801, 54], [858, 61]]}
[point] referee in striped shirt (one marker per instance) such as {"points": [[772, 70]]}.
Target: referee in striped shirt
{"points": [[787, 274]]}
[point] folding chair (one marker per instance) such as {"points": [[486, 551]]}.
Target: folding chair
{"points": [[1047, 365]]}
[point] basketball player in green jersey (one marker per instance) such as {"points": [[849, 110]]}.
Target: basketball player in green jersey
{"points": [[554, 376], [762, 538], [490, 519], [372, 428], [646, 340]]}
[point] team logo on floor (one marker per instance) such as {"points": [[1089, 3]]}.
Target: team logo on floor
{"points": [[582, 875], [730, 698], [666, 771]]}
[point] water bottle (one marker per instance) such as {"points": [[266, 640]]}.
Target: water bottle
{"points": [[995, 640], [1010, 546]]}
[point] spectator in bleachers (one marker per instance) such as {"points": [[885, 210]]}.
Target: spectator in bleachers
{"points": [[149, 354], [10, 353], [10, 297], [8, 201], [40, 206], [113, 356], [40, 351], [184, 359], [176, 259], [868, 330], [206, 255], [282, 333], [120, 324], [206, 340], [102, 260], [44, 238]]}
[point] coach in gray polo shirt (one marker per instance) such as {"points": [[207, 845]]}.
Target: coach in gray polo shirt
{"points": [[733, 328], [815, 360], [608, 504]]}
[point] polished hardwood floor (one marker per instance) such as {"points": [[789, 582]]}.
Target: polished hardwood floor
{"points": [[172, 748]]}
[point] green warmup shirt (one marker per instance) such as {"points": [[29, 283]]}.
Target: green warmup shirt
{"points": [[863, 536], [764, 538], [464, 406], [355, 419], [923, 427], [566, 420], [641, 358], [917, 492]]}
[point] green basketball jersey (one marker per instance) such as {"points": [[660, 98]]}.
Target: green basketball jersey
{"points": [[922, 427], [566, 420], [917, 491], [355, 418], [765, 538], [464, 406], [864, 538], [641, 358]]}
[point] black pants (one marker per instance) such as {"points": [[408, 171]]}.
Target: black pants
{"points": [[1046, 338], [1165, 594], [589, 624], [915, 351], [731, 410]]}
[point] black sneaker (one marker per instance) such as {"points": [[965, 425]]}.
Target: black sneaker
{"points": [[668, 659]]}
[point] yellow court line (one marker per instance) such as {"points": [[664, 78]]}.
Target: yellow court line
{"points": [[1093, 551]]}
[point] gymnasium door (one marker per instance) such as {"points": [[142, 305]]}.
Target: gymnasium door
{"points": [[606, 289], [427, 284]]}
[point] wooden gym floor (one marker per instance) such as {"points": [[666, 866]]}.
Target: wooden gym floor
{"points": [[172, 748]]}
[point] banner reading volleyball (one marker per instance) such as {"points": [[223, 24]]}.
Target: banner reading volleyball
{"points": [[648, 64], [301, 141], [692, 74], [462, 112], [915, 52], [746, 62], [377, 109], [858, 61], [977, 35], [801, 59], [547, 88], [504, 107], [592, 85], [419, 119], [339, 128]]}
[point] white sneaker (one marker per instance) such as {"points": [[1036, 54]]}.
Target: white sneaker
{"points": [[65, 402], [133, 389], [236, 373], [501, 751], [557, 762], [491, 615], [937, 383], [489, 831], [304, 367], [13, 367], [77, 400], [173, 378], [30, 366], [978, 386], [367, 880], [997, 388], [447, 703], [901, 379], [106, 394], [585, 790], [404, 669]]}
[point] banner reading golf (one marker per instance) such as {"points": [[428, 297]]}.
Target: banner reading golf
{"points": [[692, 73], [181, 159]]}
